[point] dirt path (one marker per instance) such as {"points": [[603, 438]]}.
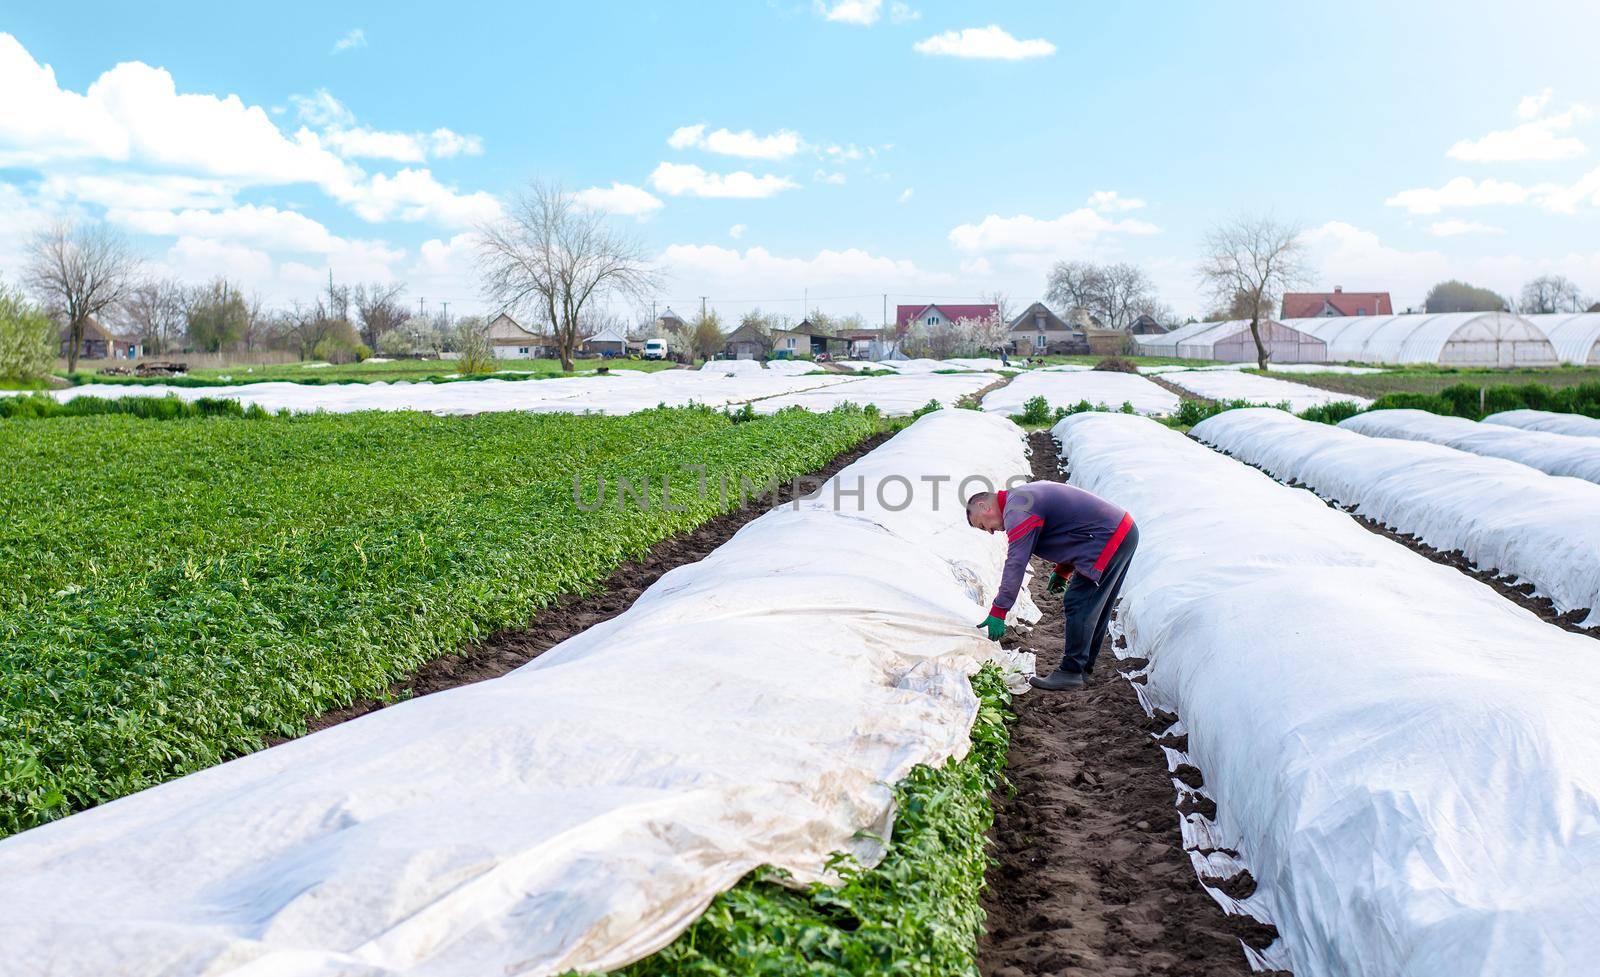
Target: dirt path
{"points": [[568, 615], [1091, 877]]}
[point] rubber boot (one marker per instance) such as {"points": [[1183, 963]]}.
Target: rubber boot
{"points": [[1058, 681]]}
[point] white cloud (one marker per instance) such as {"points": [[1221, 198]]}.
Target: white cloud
{"points": [[134, 114], [906, 194], [321, 109], [744, 144], [1566, 199], [736, 231], [1072, 233], [990, 43], [340, 132], [710, 269], [863, 13], [1109, 201], [1460, 228], [355, 39], [621, 198], [256, 226], [157, 191], [414, 195], [1532, 105], [845, 152], [197, 259], [901, 13], [1537, 140], [823, 176], [1460, 192], [446, 144], [677, 179]]}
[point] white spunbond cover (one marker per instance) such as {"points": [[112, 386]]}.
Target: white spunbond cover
{"points": [[756, 707], [1550, 422], [895, 396], [1406, 761], [1101, 389], [1296, 368], [622, 392], [1503, 516], [989, 363], [1557, 454], [1256, 389]]}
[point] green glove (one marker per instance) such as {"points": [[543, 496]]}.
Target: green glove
{"points": [[996, 626], [1057, 584]]}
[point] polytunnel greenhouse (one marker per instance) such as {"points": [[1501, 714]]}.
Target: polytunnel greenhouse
{"points": [[1231, 342], [1576, 336], [1448, 339]]}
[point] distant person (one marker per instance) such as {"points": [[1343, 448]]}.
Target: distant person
{"points": [[1090, 541], [1004, 359]]}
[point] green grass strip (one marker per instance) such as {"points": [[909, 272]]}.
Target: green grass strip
{"points": [[916, 913]]}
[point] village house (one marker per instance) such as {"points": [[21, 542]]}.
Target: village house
{"points": [[746, 343], [1305, 305], [1146, 325], [512, 342], [803, 341], [98, 343], [1039, 332], [933, 316]]}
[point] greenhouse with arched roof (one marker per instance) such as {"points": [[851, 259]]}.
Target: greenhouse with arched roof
{"points": [[1231, 342], [1575, 335], [1447, 339]]}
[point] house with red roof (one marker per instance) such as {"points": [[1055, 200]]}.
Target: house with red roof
{"points": [[928, 316], [1304, 305]]}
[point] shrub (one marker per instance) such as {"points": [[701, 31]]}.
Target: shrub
{"points": [[395, 342], [337, 349], [1036, 410], [28, 340], [475, 354], [927, 408], [1116, 364], [1332, 413]]}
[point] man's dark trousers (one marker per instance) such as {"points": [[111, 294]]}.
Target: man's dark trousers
{"points": [[1086, 607]]}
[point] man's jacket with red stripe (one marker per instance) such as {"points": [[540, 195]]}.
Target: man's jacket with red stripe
{"points": [[1076, 530]]}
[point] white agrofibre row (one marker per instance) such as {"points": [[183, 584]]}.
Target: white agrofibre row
{"points": [[1406, 761], [1505, 517], [1226, 385], [578, 813], [1067, 389], [1550, 422], [1556, 454]]}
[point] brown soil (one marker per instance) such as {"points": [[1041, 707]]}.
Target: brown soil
{"points": [[1091, 877], [570, 614], [1183, 394]]}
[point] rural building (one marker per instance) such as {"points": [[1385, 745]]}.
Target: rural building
{"points": [[1448, 339], [1304, 305], [671, 320], [1146, 325], [98, 343], [932, 316], [1231, 342], [1576, 336], [867, 344], [607, 342], [746, 343], [512, 342], [800, 343], [1039, 331]]}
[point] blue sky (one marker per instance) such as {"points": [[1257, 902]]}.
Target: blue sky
{"points": [[845, 150]]}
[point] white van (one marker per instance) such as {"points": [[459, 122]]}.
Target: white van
{"points": [[655, 349]]}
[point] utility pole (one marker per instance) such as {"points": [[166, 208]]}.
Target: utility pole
{"points": [[422, 307], [446, 314], [702, 306]]}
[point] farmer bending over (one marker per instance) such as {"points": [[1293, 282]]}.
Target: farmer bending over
{"points": [[1090, 541]]}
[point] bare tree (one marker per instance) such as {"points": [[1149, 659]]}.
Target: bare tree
{"points": [[1002, 303], [1113, 293], [1072, 285], [1124, 289], [380, 310], [551, 256], [156, 311], [1252, 261], [78, 272], [1550, 293]]}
